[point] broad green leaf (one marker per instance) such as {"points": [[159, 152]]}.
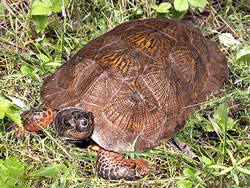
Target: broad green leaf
{"points": [[207, 125], [56, 5], [3, 174], [184, 184], [19, 103], [49, 171], [66, 2], [189, 173], [138, 10], [198, 3], [231, 157], [217, 166], [41, 22], [244, 159], [53, 64], [46, 2], [243, 170], [236, 178], [10, 110], [43, 57], [209, 128], [230, 123], [176, 14], [55, 184], [226, 170], [228, 40], [205, 160], [27, 70], [40, 8], [2, 114], [219, 116], [245, 58], [219, 113], [10, 183], [243, 54], [15, 168], [163, 8], [155, 7], [181, 5]]}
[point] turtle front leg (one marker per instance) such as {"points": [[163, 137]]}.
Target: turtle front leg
{"points": [[36, 119], [33, 121], [113, 166]]}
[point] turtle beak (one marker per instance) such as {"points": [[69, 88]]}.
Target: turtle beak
{"points": [[66, 139]]}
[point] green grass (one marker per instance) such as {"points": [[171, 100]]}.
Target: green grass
{"points": [[27, 56]]}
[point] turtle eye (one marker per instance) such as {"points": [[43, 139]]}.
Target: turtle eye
{"points": [[82, 124]]}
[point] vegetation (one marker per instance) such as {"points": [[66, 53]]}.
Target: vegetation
{"points": [[36, 37]]}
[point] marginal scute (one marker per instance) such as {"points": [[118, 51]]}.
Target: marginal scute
{"points": [[140, 80], [169, 27]]}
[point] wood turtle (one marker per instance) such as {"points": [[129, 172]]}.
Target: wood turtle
{"points": [[137, 83]]}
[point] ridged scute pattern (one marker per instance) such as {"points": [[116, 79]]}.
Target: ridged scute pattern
{"points": [[140, 80]]}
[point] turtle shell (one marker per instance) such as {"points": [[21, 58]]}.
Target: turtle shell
{"points": [[140, 80]]}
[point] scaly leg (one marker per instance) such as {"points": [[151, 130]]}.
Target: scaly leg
{"points": [[36, 119], [113, 166]]}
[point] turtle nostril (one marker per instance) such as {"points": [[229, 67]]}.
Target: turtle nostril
{"points": [[66, 122]]}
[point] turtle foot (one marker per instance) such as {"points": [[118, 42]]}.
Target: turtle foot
{"points": [[113, 166], [36, 119]]}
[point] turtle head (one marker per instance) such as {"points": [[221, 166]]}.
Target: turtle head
{"points": [[74, 124]]}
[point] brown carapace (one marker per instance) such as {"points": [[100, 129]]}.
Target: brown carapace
{"points": [[140, 81]]}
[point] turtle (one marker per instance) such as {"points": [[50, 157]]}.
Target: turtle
{"points": [[131, 89]]}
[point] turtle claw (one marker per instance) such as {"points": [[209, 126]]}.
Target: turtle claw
{"points": [[113, 166], [143, 168]]}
